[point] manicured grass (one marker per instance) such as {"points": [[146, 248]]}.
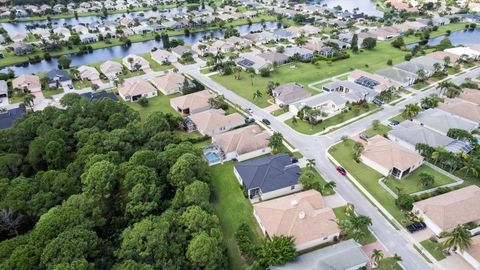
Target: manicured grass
{"points": [[435, 249], [367, 177], [232, 209], [278, 112], [380, 130], [153, 64], [306, 128], [161, 103], [419, 85], [48, 93], [16, 98], [411, 183], [398, 118], [306, 73], [368, 238], [284, 149], [82, 84], [387, 264]]}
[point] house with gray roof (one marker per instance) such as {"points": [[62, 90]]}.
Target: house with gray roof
{"points": [[408, 134], [330, 103], [302, 53], [282, 34], [428, 62], [350, 91], [400, 76], [414, 67], [346, 255], [252, 60], [442, 121], [275, 57], [268, 177], [8, 118], [289, 93]]}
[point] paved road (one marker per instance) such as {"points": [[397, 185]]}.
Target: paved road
{"points": [[316, 147]]}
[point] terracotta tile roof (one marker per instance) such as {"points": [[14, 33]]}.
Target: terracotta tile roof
{"points": [[471, 95], [243, 140], [213, 119], [302, 215], [474, 249], [169, 83], [136, 88], [193, 101], [461, 108], [453, 208]]}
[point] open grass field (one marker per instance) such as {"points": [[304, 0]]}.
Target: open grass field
{"points": [[306, 73], [306, 128], [411, 183], [232, 208]]}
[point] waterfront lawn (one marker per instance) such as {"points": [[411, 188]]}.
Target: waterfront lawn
{"points": [[232, 209], [306, 128], [306, 73], [153, 64], [442, 30], [160, 103], [367, 177], [411, 183], [435, 249], [368, 238]]}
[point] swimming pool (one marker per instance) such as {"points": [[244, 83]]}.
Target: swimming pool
{"points": [[212, 158]]}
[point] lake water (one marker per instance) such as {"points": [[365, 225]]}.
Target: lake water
{"points": [[21, 26], [367, 7], [102, 55], [462, 37]]}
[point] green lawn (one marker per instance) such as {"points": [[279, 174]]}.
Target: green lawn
{"points": [[365, 240], [380, 130], [419, 85], [82, 84], [153, 64], [284, 149], [442, 30], [367, 177], [161, 103], [48, 93], [232, 208], [306, 128], [387, 264], [278, 112], [398, 118], [411, 183], [435, 249], [306, 73]]}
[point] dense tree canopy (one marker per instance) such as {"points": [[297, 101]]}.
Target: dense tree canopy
{"points": [[92, 186]]}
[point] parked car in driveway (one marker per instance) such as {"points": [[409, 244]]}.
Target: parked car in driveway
{"points": [[364, 137], [341, 170], [416, 226], [393, 123]]}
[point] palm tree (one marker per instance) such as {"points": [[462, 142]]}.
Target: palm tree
{"points": [[396, 259], [411, 110], [438, 154], [329, 186], [311, 163], [460, 238], [257, 94], [377, 255], [470, 164], [28, 101]]}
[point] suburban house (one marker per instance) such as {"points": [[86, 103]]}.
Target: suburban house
{"points": [[88, 73], [133, 61], [442, 121], [345, 255], [442, 55], [179, 51], [402, 77], [191, 103], [88, 38], [464, 52], [350, 91], [408, 134], [302, 53], [461, 108], [268, 177], [58, 78], [372, 81], [274, 57], [289, 93], [90, 96], [41, 32], [111, 69], [330, 103], [252, 60], [22, 48], [27, 83], [8, 118], [472, 253], [301, 215], [18, 37], [415, 67], [132, 91], [214, 121], [389, 158], [243, 143], [162, 56], [169, 84], [470, 95], [444, 212]]}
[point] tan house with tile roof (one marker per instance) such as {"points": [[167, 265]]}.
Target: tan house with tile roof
{"points": [[389, 158], [441, 55], [169, 84], [191, 103], [472, 253], [132, 91], [461, 108], [444, 212], [243, 143], [470, 95], [214, 121], [28, 83], [301, 215]]}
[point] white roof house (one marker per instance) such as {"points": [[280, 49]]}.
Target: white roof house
{"points": [[132, 91], [464, 52], [111, 69], [130, 64], [88, 73]]}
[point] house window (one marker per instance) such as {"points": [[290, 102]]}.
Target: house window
{"points": [[292, 187]]}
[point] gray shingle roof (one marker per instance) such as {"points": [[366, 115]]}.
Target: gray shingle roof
{"points": [[269, 173], [414, 133], [398, 75], [7, 119], [442, 121], [341, 256]]}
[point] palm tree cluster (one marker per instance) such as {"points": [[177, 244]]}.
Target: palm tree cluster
{"points": [[312, 116], [467, 163], [430, 101], [460, 238], [449, 89], [411, 110], [355, 227]]}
